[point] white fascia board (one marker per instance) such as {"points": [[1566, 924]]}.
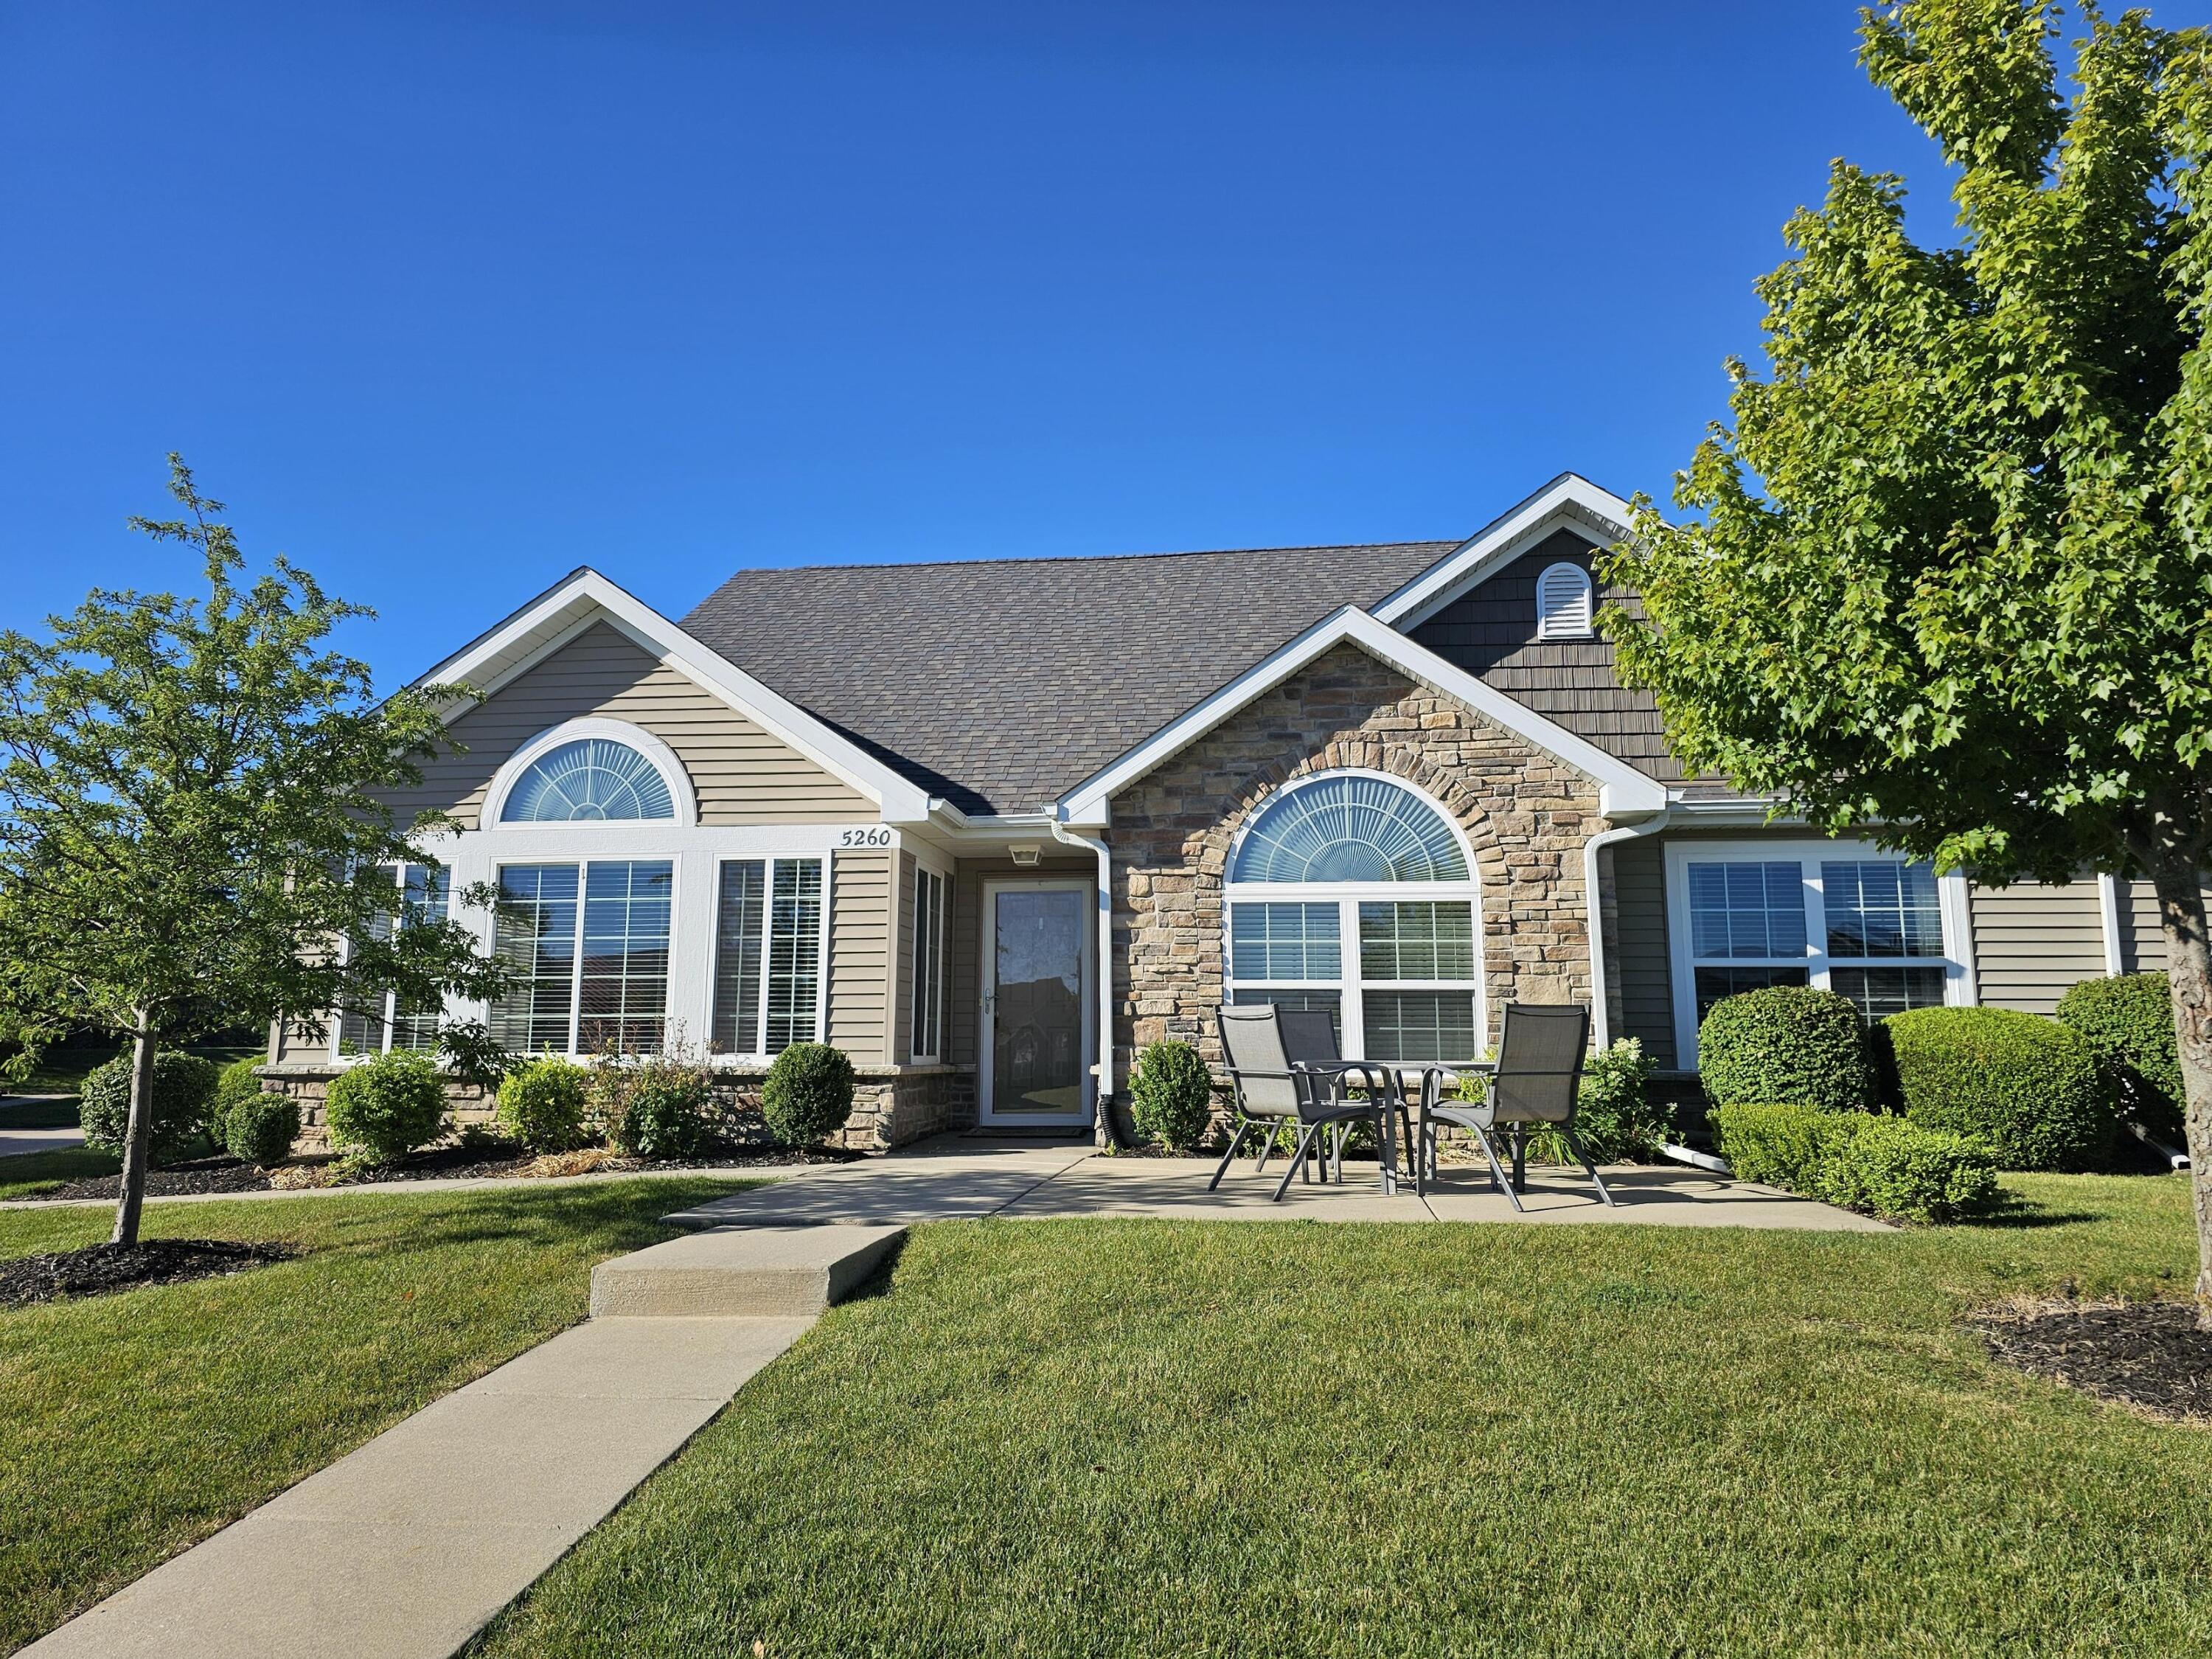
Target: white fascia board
{"points": [[1569, 500], [1623, 791], [585, 597]]}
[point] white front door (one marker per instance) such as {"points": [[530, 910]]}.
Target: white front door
{"points": [[1038, 1027]]}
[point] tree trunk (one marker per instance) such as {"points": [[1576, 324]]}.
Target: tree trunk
{"points": [[2189, 972], [138, 1138]]}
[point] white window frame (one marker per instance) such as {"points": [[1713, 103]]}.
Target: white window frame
{"points": [[1348, 896], [657, 754], [391, 1017], [925, 873], [1808, 855], [758, 1052], [1578, 623], [669, 1017]]}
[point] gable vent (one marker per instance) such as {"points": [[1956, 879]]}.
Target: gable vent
{"points": [[1563, 603]]}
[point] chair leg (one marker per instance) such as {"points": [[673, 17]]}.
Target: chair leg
{"points": [[1274, 1133], [1229, 1157], [1596, 1180], [1497, 1171], [1520, 1138], [1299, 1159]]}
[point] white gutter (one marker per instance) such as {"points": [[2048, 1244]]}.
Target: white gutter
{"points": [[1102, 1071], [1600, 1020]]}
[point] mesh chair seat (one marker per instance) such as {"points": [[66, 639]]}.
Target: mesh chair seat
{"points": [[1541, 1047]]}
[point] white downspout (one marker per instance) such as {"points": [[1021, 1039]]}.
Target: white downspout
{"points": [[1600, 1011], [1102, 1071]]}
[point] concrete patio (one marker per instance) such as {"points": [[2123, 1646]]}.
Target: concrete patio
{"points": [[953, 1177]]}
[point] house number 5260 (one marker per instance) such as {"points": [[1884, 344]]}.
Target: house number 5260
{"points": [[875, 835]]}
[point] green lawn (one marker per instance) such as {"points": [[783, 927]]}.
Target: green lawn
{"points": [[131, 1425], [1152, 1438], [33, 1175], [63, 1070]]}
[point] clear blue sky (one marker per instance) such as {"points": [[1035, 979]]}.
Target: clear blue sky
{"points": [[448, 298]]}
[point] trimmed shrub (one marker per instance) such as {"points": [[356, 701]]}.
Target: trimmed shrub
{"points": [[2026, 1087], [261, 1128], [183, 1103], [1893, 1168], [1616, 1120], [236, 1082], [658, 1108], [809, 1093], [386, 1107], [1779, 1145], [1785, 1045], [1170, 1095], [542, 1105], [2128, 1022]]}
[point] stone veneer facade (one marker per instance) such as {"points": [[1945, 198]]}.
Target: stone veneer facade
{"points": [[891, 1105], [1526, 814]]}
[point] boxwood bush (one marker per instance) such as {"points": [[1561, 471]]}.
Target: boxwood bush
{"points": [[183, 1105], [809, 1093], [1785, 1045], [1886, 1166], [1170, 1095], [1894, 1167], [2128, 1022], [386, 1107], [261, 1128], [2026, 1087], [1778, 1145], [541, 1104]]}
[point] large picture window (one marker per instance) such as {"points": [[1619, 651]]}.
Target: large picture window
{"points": [[926, 1040], [1316, 919], [1848, 918], [418, 895], [770, 944], [589, 945]]}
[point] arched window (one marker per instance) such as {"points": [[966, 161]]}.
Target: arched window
{"points": [[1349, 826], [588, 779], [1564, 610], [1352, 893]]}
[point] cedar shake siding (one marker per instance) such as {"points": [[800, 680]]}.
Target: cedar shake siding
{"points": [[1491, 632], [741, 774], [2032, 942]]}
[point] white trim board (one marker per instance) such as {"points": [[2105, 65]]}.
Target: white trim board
{"points": [[585, 597], [1568, 502], [1623, 791]]}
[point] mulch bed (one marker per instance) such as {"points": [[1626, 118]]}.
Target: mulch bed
{"points": [[2145, 1354], [229, 1175], [102, 1269]]}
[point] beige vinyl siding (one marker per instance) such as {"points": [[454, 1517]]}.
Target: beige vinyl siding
{"points": [[740, 773], [860, 954], [902, 958], [2031, 943], [2143, 935], [1647, 996]]}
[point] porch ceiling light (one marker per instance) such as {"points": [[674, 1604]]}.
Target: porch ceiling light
{"points": [[1027, 855]]}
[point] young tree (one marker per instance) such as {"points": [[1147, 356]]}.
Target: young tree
{"points": [[1950, 573], [189, 823]]}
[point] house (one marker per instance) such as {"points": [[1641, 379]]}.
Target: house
{"points": [[991, 827]]}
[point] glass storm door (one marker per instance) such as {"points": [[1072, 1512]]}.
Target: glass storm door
{"points": [[1037, 1018]]}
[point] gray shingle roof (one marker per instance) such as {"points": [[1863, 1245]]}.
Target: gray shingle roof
{"points": [[1002, 683]]}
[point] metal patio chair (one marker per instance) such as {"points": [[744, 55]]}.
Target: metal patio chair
{"points": [[1534, 1080], [1272, 1093], [1310, 1039]]}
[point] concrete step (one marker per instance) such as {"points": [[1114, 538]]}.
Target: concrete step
{"points": [[775, 1272]]}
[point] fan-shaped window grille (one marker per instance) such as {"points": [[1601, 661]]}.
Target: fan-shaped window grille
{"points": [[1350, 828], [1563, 603], [590, 778]]}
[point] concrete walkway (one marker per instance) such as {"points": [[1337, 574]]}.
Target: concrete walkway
{"points": [[13, 1143], [951, 1178], [405, 1548]]}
